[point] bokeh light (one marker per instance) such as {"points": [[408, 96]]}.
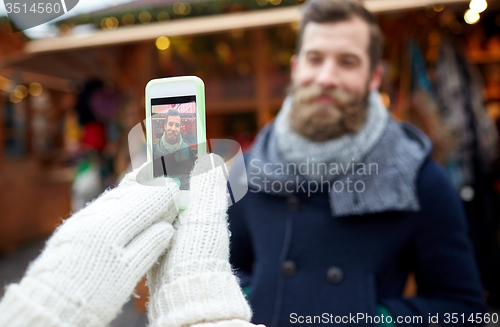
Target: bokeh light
{"points": [[162, 43], [128, 19], [35, 89], [478, 5], [23, 89], [471, 17], [145, 17], [163, 16], [182, 8], [438, 8], [111, 23]]}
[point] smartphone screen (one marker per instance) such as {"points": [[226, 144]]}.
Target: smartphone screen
{"points": [[174, 137]]}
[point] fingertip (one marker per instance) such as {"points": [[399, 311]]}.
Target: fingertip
{"points": [[206, 163]]}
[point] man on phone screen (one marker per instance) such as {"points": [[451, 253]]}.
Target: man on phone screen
{"points": [[172, 154], [344, 202]]}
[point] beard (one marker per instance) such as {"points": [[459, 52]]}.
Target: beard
{"points": [[172, 137], [320, 122]]}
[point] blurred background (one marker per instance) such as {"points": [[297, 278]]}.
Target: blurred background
{"points": [[71, 90]]}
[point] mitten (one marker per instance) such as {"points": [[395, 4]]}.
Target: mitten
{"points": [[194, 282], [92, 263]]}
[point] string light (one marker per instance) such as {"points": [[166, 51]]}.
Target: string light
{"points": [[115, 22], [128, 19], [144, 17], [111, 23], [478, 6], [182, 8], [18, 93], [162, 43], [163, 16], [35, 89], [23, 89], [471, 17], [438, 8]]}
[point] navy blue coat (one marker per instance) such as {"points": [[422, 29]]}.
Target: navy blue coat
{"points": [[299, 260]]}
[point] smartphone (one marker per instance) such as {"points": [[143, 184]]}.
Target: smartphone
{"points": [[175, 129]]}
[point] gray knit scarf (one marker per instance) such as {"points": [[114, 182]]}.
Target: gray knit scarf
{"points": [[346, 150], [166, 147], [381, 178]]}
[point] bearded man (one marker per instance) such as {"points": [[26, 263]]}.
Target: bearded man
{"points": [[345, 203], [171, 141], [172, 154]]}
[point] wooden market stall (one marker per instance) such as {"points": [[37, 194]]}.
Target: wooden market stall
{"points": [[32, 202]]}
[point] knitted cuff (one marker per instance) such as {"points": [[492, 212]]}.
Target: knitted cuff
{"points": [[32, 303], [206, 297], [17, 309]]}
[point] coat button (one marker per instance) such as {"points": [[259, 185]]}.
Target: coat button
{"points": [[288, 268], [293, 203], [335, 275]]}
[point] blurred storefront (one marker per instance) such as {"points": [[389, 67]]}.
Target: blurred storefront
{"points": [[69, 131], [34, 192]]}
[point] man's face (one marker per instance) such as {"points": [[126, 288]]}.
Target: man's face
{"points": [[173, 129], [331, 79]]}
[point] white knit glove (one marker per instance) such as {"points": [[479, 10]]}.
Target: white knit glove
{"points": [[92, 263], [194, 282]]}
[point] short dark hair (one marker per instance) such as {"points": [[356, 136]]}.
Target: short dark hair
{"points": [[171, 112], [332, 11]]}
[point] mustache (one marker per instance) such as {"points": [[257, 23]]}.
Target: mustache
{"points": [[309, 94], [318, 121]]}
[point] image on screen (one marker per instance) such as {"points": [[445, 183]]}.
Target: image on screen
{"points": [[174, 137]]}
